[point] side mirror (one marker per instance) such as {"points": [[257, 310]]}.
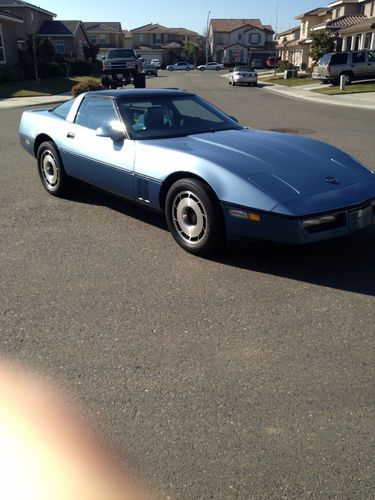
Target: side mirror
{"points": [[112, 133]]}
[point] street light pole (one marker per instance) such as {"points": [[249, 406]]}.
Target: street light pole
{"points": [[208, 17]]}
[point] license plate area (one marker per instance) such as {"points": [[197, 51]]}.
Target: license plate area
{"points": [[359, 219]]}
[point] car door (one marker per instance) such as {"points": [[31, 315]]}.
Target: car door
{"points": [[359, 65], [370, 71], [101, 161]]}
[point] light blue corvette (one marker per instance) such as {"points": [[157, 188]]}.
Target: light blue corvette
{"points": [[175, 153]]}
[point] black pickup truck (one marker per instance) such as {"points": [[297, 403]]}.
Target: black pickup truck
{"points": [[121, 67]]}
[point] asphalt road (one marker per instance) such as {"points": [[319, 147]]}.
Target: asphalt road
{"points": [[249, 375]]}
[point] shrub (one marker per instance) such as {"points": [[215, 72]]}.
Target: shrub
{"points": [[85, 86], [11, 73], [286, 65]]}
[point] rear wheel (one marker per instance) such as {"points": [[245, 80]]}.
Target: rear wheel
{"points": [[140, 81], [105, 82], [349, 77], [51, 170], [194, 217], [188, 69]]}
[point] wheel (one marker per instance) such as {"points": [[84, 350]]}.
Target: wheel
{"points": [[233, 83], [349, 77], [194, 217], [202, 69], [217, 69], [188, 69], [51, 170], [139, 81], [170, 69]]}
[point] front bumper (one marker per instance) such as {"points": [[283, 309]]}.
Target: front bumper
{"points": [[283, 229]]}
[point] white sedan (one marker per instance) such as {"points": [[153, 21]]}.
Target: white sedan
{"points": [[211, 65], [180, 65]]}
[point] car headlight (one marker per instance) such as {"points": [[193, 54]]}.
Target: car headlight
{"points": [[325, 219]]}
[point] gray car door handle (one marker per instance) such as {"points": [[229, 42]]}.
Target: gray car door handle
{"points": [[70, 135]]}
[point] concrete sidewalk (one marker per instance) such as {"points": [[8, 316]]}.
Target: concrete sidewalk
{"points": [[19, 102], [365, 100]]}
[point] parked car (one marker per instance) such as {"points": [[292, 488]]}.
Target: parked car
{"points": [[173, 152], [356, 65], [243, 74], [150, 69], [257, 64], [272, 61], [211, 66], [180, 65], [156, 62]]}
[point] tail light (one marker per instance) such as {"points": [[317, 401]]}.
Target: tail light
{"points": [[328, 69]]}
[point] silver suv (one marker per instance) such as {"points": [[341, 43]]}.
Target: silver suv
{"points": [[356, 65]]}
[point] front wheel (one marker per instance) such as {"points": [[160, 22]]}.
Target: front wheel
{"points": [[194, 217], [188, 69], [51, 170]]}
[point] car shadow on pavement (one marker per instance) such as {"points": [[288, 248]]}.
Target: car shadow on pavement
{"points": [[345, 263]]}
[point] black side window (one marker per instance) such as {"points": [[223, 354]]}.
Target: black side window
{"points": [[94, 113], [339, 58], [359, 57]]}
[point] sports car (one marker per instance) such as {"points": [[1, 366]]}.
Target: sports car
{"points": [[174, 152]]}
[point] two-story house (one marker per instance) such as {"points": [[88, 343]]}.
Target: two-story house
{"points": [[154, 41], [18, 19], [347, 20], [67, 37], [288, 46], [233, 41], [107, 35]]}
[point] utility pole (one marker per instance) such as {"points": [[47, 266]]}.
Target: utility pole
{"points": [[275, 53], [208, 17]]}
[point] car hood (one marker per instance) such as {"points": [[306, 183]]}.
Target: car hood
{"points": [[300, 174]]}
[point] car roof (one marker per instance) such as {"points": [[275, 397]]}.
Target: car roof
{"points": [[145, 93]]}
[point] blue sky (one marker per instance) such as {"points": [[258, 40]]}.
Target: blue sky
{"points": [[190, 14]]}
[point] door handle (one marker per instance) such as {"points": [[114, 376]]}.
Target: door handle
{"points": [[70, 135]]}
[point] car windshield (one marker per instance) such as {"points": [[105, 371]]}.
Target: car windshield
{"points": [[113, 54], [163, 117]]}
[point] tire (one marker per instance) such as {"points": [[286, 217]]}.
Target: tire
{"points": [[188, 69], [139, 81], [51, 170], [170, 69], [194, 217], [217, 69], [202, 69], [349, 77]]}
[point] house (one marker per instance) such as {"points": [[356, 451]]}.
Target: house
{"points": [[67, 37], [18, 19], [154, 41], [128, 39], [346, 19], [240, 40], [288, 45], [8, 37], [107, 35]]}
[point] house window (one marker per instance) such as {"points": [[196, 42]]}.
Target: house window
{"points": [[59, 47], [372, 9], [357, 42], [254, 39], [93, 39], [103, 39], [349, 43], [239, 36], [2, 52]]}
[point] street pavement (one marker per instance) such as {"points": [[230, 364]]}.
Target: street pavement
{"points": [[364, 100], [249, 375]]}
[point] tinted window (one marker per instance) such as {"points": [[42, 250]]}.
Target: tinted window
{"points": [[339, 58], [359, 57], [94, 113], [168, 117], [120, 53], [371, 56], [63, 110]]}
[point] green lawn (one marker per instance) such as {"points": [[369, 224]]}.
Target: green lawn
{"points": [[291, 82], [47, 86], [355, 88]]}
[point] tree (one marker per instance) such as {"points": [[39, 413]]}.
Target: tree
{"points": [[40, 50], [91, 52], [193, 50], [322, 42]]}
